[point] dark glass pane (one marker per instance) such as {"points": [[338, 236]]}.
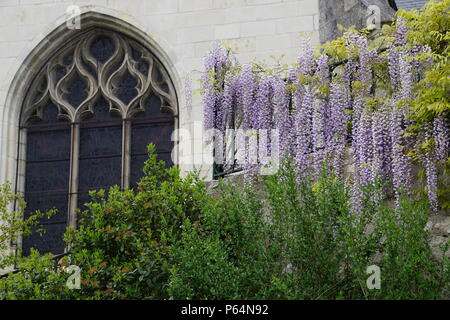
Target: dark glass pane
{"points": [[102, 116], [100, 164], [47, 179], [50, 116], [68, 59], [50, 242], [157, 133], [48, 145], [152, 105], [150, 126], [47, 176], [160, 80], [137, 164], [101, 135], [141, 65], [101, 141], [77, 91], [126, 88], [99, 173], [103, 48], [83, 198], [48, 201]]}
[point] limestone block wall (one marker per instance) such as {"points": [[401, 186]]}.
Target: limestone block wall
{"points": [[181, 32]]}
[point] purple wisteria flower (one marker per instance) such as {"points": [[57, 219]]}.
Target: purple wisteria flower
{"points": [[215, 62], [247, 87], [337, 126], [431, 171], [282, 117], [318, 115], [441, 134]]}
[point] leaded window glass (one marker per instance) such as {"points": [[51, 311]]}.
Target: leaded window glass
{"points": [[87, 119]]}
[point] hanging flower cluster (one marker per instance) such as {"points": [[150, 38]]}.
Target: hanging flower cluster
{"points": [[320, 114]]}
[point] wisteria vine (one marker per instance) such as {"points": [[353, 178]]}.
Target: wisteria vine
{"points": [[320, 115]]}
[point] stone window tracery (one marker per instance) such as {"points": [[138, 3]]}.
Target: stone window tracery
{"points": [[86, 121]]}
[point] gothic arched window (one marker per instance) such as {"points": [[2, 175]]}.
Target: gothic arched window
{"points": [[87, 119]]}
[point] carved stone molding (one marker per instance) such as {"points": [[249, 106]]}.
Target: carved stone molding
{"points": [[99, 63]]}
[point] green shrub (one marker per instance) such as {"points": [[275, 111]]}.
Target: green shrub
{"points": [[295, 239], [124, 240], [287, 237], [38, 279], [13, 223]]}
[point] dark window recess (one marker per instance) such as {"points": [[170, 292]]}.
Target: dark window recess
{"points": [[100, 161], [77, 90], [47, 180], [126, 87], [151, 126], [221, 170], [103, 48]]}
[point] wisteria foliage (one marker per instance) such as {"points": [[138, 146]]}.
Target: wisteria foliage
{"points": [[342, 115]]}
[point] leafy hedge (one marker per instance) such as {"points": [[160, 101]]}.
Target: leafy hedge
{"points": [[285, 238]]}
